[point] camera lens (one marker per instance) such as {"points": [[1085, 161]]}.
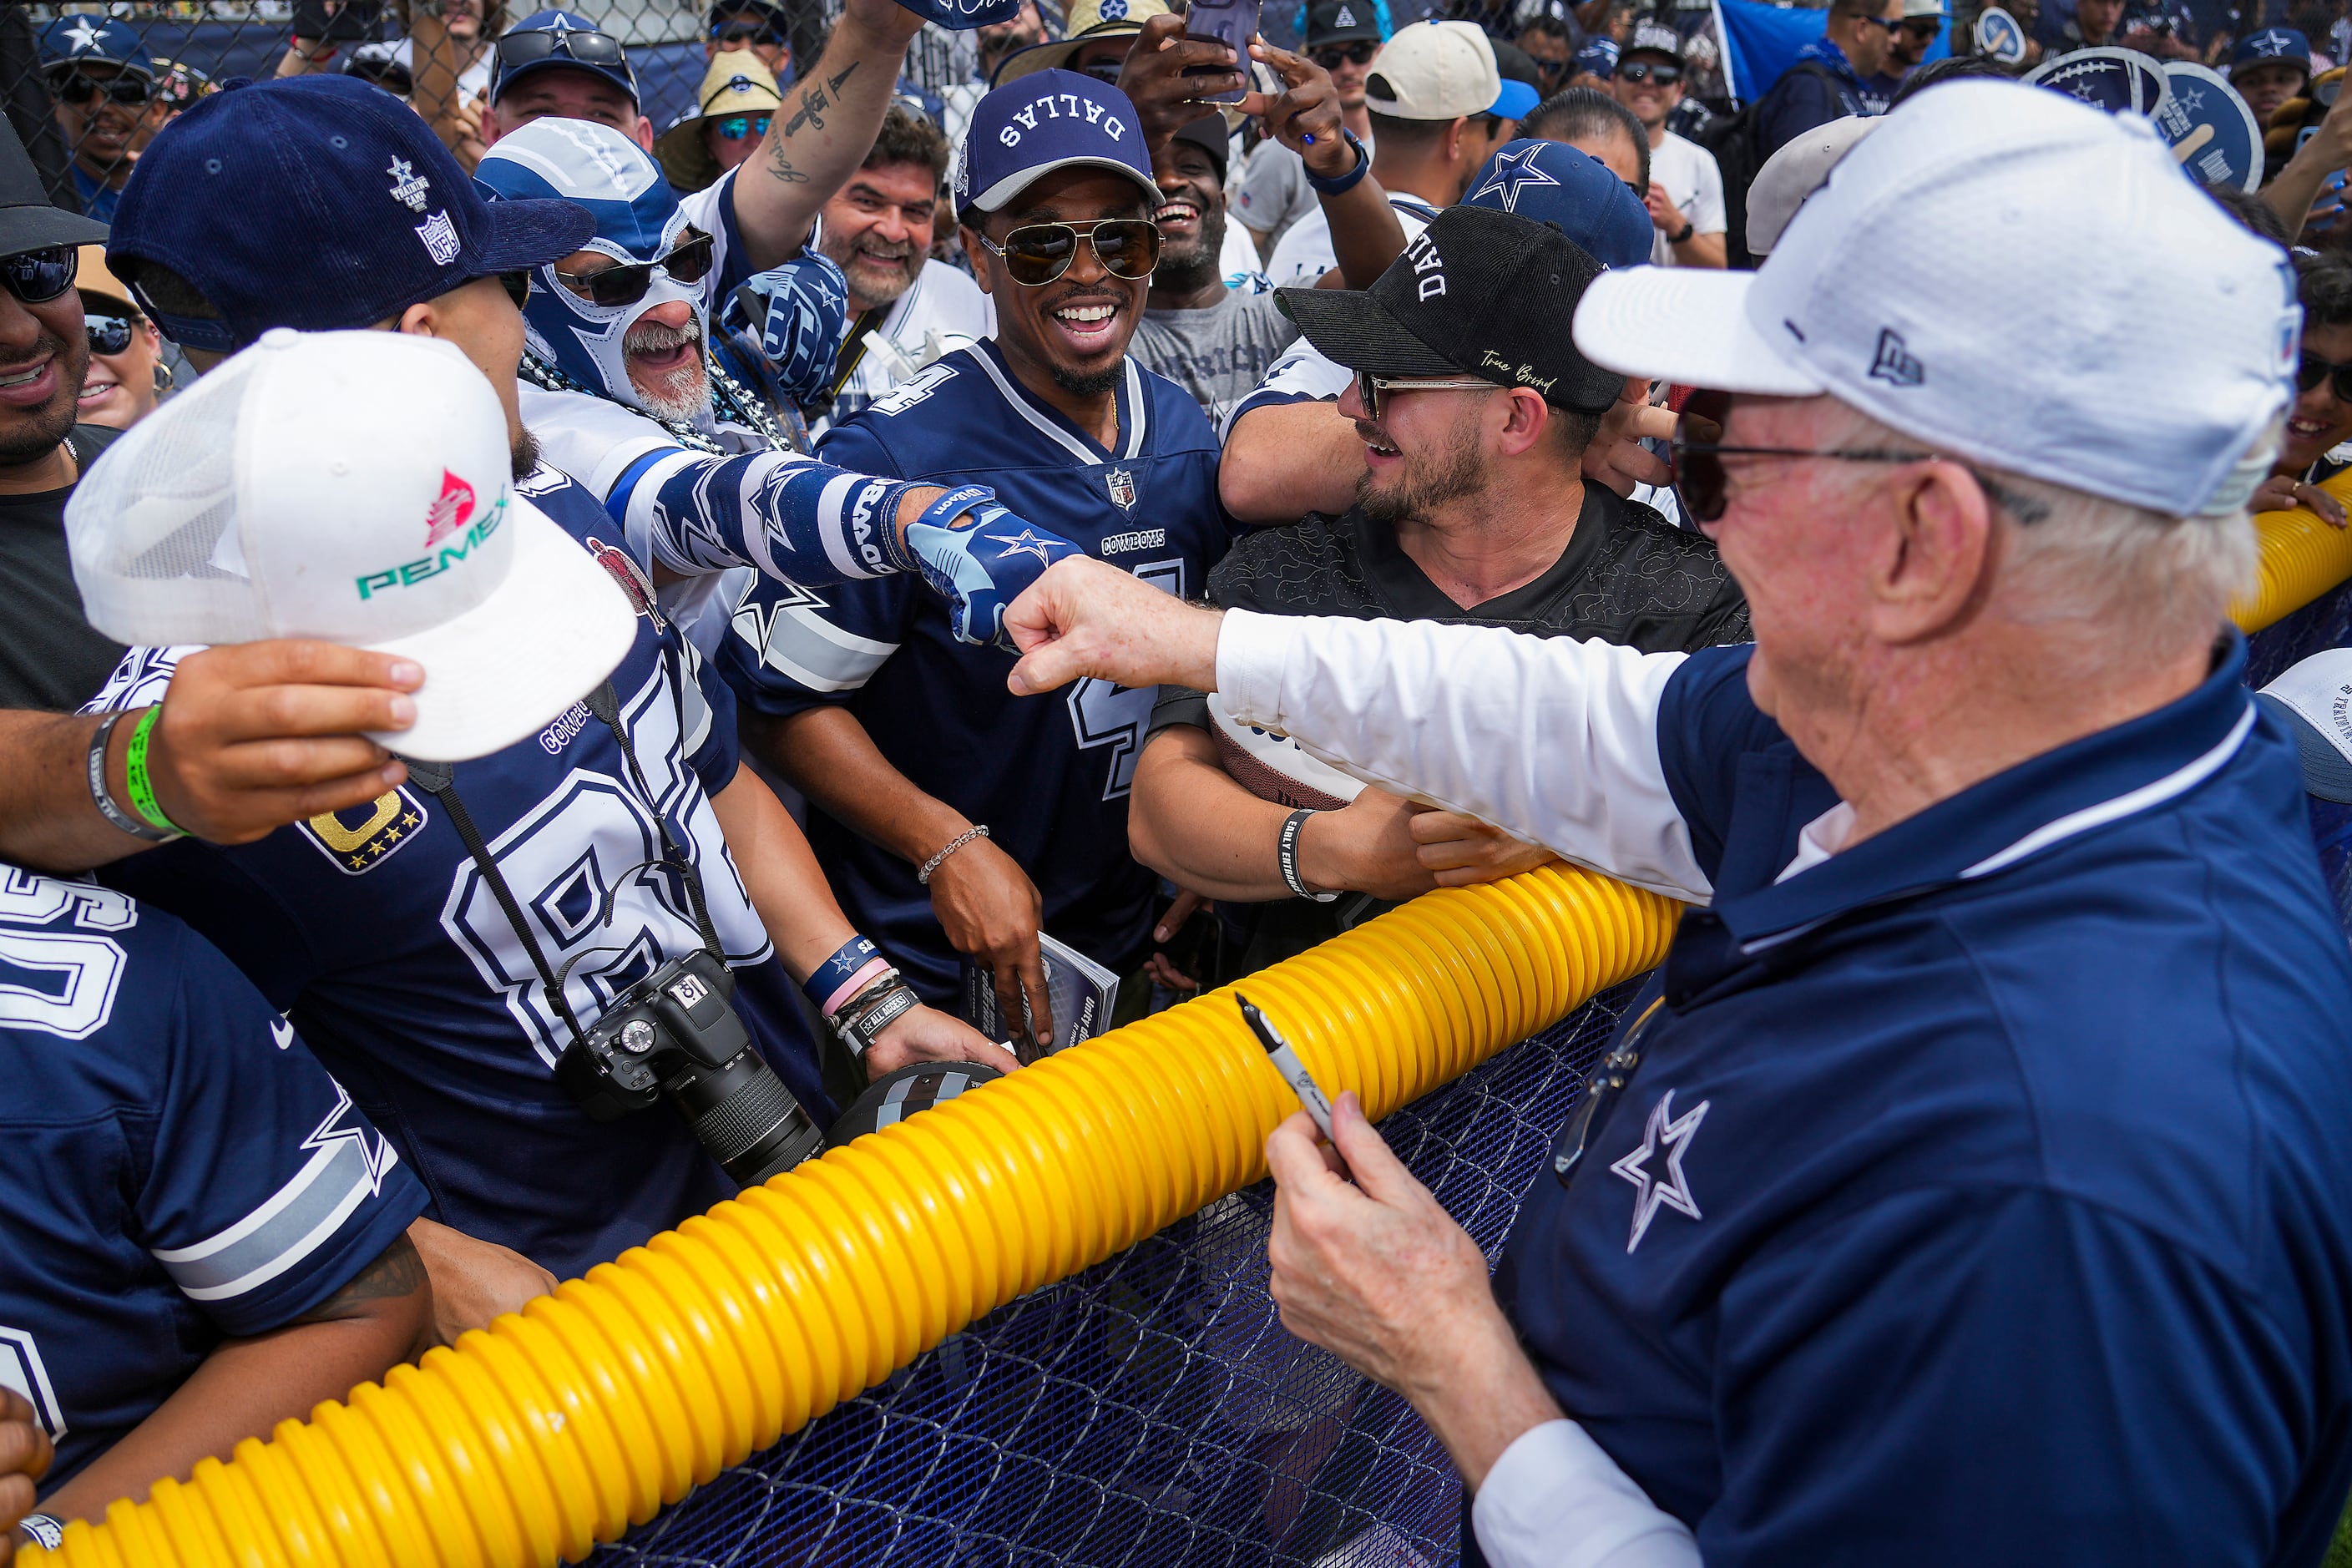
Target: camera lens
{"points": [[742, 1113]]}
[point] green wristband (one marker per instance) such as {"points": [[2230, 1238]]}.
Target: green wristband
{"points": [[143, 789]]}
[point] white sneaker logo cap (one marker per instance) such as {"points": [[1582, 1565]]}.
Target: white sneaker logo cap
{"points": [[356, 487], [1435, 70], [2134, 341]]}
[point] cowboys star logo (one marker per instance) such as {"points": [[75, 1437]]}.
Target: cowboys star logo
{"points": [[1513, 173], [1025, 542], [1650, 1192], [82, 37], [408, 185]]}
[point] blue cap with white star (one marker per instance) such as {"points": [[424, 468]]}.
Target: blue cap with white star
{"points": [[2273, 46], [1553, 183], [548, 39], [94, 40]]}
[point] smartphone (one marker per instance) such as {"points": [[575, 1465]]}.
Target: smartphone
{"points": [[352, 21], [1233, 23]]}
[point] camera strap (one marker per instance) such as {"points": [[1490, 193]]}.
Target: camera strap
{"points": [[439, 779]]}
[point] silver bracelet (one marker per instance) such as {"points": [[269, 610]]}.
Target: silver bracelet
{"points": [[923, 876], [1285, 855], [146, 833]]}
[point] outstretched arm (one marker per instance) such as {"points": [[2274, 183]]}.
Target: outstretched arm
{"points": [[381, 1318], [830, 118]]}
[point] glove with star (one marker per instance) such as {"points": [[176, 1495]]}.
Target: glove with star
{"points": [[798, 314], [979, 557]]}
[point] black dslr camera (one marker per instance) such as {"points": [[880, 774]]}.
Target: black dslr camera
{"points": [[674, 1036]]}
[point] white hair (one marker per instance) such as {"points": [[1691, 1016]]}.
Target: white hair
{"points": [[2134, 582]]}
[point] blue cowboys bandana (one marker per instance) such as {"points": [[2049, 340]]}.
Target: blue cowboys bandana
{"points": [[638, 219]]}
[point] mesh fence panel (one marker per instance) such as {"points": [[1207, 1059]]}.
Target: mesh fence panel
{"points": [[1152, 1411]]}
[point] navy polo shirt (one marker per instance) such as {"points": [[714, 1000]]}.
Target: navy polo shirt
{"points": [[1983, 1195]]}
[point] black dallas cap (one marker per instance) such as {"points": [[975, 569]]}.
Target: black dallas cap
{"points": [[1479, 292]]}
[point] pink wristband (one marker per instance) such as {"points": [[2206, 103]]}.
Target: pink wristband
{"points": [[850, 987]]}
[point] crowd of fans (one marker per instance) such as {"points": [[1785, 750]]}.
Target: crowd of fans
{"points": [[776, 425]]}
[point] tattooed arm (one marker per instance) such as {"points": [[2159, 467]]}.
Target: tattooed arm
{"points": [[827, 125], [381, 1317]]}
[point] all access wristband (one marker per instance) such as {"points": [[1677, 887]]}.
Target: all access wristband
{"points": [[857, 964], [873, 1010], [1286, 855]]}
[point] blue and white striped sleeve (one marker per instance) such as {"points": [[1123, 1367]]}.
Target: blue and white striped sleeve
{"points": [[264, 1190], [788, 517]]}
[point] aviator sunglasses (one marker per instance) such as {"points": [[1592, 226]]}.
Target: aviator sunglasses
{"points": [[687, 261], [1036, 254]]}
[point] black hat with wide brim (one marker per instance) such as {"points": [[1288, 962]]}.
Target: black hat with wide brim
{"points": [[28, 221]]}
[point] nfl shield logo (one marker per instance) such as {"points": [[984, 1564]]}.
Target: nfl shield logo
{"points": [[440, 237], [1122, 488]]}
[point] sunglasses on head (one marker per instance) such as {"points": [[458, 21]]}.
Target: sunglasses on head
{"points": [[572, 42], [1332, 57], [108, 334], [2311, 370], [624, 283], [1370, 388], [37, 276], [79, 88], [1037, 253], [1701, 483], [1658, 71], [736, 127]]}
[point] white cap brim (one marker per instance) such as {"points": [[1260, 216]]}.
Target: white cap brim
{"points": [[1684, 325], [505, 669]]}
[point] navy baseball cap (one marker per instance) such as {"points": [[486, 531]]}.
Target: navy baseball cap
{"points": [[2273, 46], [1479, 292], [548, 39], [754, 16], [366, 213], [1553, 183], [100, 41], [1598, 58], [1047, 120]]}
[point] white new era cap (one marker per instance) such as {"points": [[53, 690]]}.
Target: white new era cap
{"points": [[356, 487], [2128, 339], [1434, 71]]}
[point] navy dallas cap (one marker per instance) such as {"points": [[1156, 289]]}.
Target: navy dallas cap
{"points": [[1550, 182], [365, 212], [551, 39], [1047, 120]]}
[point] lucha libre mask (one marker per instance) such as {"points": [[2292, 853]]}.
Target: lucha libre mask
{"points": [[637, 220]]}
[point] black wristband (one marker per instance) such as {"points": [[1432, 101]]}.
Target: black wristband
{"points": [[1690, 227], [100, 796], [873, 1010], [1285, 855], [1341, 184]]}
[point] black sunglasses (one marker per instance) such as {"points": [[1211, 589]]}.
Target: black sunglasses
{"points": [[108, 334], [1700, 482], [1644, 71], [1606, 1082], [2311, 370], [518, 287], [578, 44], [687, 261], [79, 88], [755, 32], [1924, 26], [37, 276], [1359, 53], [1036, 254]]}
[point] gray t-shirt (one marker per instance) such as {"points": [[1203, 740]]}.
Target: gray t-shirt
{"points": [[1218, 355], [1274, 193]]}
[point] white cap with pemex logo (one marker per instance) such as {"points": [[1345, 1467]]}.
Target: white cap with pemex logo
{"points": [[2131, 341], [354, 487]]}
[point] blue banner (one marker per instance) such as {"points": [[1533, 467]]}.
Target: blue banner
{"points": [[1760, 41]]}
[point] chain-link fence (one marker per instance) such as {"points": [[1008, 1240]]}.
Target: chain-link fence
{"points": [[1152, 1411]]}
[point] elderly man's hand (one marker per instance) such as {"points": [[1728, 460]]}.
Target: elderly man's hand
{"points": [[1380, 1276], [1083, 617]]}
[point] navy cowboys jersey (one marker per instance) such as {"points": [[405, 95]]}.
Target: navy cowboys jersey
{"points": [[1048, 775], [179, 1171], [376, 929]]}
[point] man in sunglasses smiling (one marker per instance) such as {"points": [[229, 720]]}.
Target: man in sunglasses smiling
{"points": [[1685, 195], [99, 73], [1969, 1186], [905, 743]]}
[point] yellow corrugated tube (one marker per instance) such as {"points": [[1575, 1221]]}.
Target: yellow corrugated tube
{"points": [[2302, 558], [596, 1406]]}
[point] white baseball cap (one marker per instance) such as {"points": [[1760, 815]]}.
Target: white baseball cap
{"points": [[1434, 71], [2313, 702], [2129, 339], [356, 487], [1793, 174]]}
